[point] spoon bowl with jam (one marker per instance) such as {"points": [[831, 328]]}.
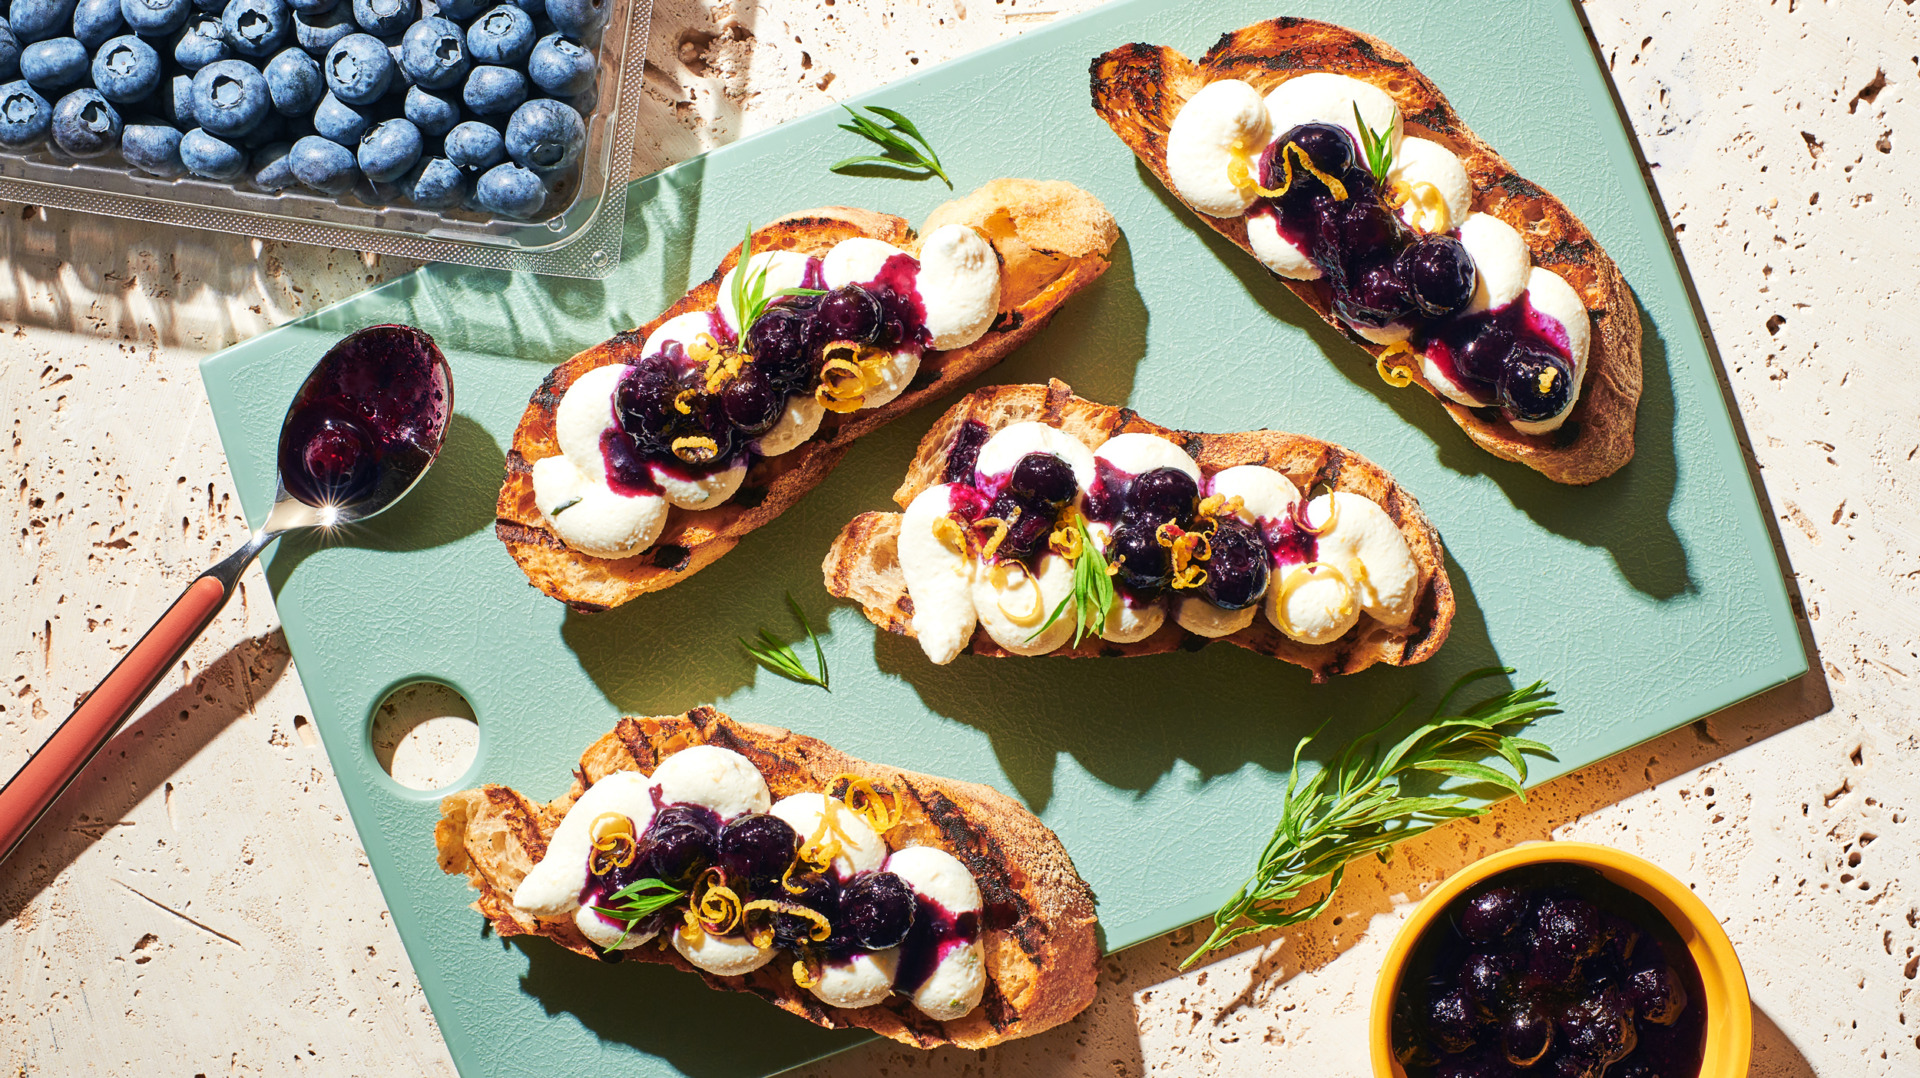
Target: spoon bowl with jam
{"points": [[365, 426]]}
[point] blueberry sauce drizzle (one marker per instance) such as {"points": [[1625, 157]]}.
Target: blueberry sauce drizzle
{"points": [[936, 932], [367, 420], [1383, 273]]}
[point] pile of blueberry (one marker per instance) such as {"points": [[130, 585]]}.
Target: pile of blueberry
{"points": [[670, 418], [1384, 273], [871, 911], [1548, 981], [1238, 561], [447, 105]]}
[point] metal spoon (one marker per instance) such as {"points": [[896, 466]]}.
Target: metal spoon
{"points": [[366, 424]]}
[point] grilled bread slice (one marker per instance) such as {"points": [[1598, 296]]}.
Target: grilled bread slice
{"points": [[1052, 239], [863, 563], [1138, 89], [1037, 924]]}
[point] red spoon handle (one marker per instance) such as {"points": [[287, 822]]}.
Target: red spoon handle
{"points": [[32, 791]]}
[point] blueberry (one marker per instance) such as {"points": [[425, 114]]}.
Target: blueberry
{"points": [[780, 343], [9, 52], [1328, 145], [849, 313], [1367, 227], [384, 18], [877, 909], [1161, 495], [323, 165], [750, 401], [435, 183], [503, 36], [1238, 565], [1526, 1034], [1440, 273], [1482, 359], [309, 7], [54, 64], [757, 849], [294, 83], [1656, 994], [434, 53], [1487, 979], [257, 27], [203, 41], [153, 148], [272, 128], [24, 114], [154, 18], [1043, 477], [434, 114], [1142, 561], [174, 100], [358, 69], [1452, 1021], [583, 19], [1376, 294], [126, 70], [271, 167], [1537, 382], [561, 66], [389, 149], [37, 20], [680, 842], [1572, 1065], [475, 147], [1599, 1027], [494, 91], [94, 21], [319, 31], [461, 10], [211, 157], [1491, 914], [230, 98], [545, 136]]}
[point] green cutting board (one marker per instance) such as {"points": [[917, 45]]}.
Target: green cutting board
{"points": [[1649, 599]]}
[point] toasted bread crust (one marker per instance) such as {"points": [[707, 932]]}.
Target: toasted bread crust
{"points": [[1052, 239], [863, 563], [1037, 928], [1138, 89]]}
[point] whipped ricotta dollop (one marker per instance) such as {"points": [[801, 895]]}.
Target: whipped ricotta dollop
{"points": [[955, 279], [959, 977], [1215, 145], [861, 849], [956, 584]]}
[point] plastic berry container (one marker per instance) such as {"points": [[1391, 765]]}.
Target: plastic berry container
{"points": [[577, 233]]}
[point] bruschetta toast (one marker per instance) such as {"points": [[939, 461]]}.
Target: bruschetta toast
{"points": [[1330, 158], [851, 894], [642, 460], [1036, 522]]}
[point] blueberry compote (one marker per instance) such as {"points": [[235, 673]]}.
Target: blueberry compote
{"points": [[684, 417], [368, 420], [936, 931], [1383, 273], [1550, 970]]}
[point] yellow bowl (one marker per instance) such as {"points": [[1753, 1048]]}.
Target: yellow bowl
{"points": [[1729, 1033]]}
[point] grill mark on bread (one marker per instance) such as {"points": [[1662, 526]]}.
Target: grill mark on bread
{"points": [[512, 531], [983, 857]]}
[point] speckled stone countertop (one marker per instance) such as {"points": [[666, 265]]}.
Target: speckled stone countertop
{"points": [[199, 905]]}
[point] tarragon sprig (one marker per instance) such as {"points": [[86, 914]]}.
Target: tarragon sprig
{"points": [[1356, 804], [1377, 145], [636, 902], [750, 295], [1092, 595], [779, 658], [901, 153]]}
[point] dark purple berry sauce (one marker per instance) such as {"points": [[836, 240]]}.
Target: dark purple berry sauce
{"points": [[1550, 970], [1381, 273], [936, 931], [368, 419], [964, 453]]}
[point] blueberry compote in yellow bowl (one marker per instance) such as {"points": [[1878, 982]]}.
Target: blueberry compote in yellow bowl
{"points": [[1561, 960]]}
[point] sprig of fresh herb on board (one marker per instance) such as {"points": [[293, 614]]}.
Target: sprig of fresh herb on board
{"points": [[636, 902], [750, 295], [780, 659], [1092, 595], [1377, 145], [894, 139], [1355, 805]]}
